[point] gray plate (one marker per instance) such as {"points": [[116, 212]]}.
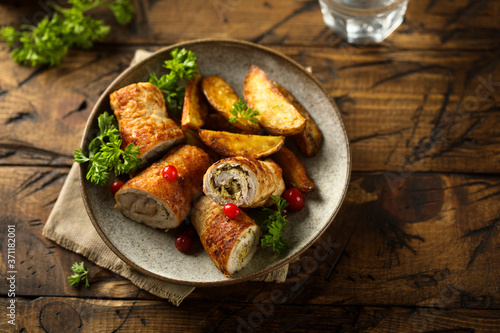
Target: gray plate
{"points": [[153, 252]]}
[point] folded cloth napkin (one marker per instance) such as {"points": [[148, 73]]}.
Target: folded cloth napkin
{"points": [[69, 211]]}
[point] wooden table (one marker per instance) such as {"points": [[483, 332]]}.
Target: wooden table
{"points": [[418, 245]]}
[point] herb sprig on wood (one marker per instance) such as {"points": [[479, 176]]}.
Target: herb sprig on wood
{"points": [[48, 42], [80, 274]]}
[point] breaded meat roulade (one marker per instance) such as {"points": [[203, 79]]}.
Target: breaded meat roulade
{"points": [[230, 243], [243, 181], [143, 120], [150, 199]]}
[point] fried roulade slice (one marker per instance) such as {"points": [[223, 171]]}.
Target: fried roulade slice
{"points": [[230, 243], [150, 199], [244, 181], [143, 120]]}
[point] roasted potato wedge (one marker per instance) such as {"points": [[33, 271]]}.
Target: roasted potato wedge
{"points": [[235, 144], [195, 108], [215, 121], [277, 114], [193, 139], [310, 139], [294, 173], [222, 97]]}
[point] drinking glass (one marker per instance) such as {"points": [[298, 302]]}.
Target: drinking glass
{"points": [[363, 21]]}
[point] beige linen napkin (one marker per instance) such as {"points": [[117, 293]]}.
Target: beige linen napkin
{"points": [[69, 211]]}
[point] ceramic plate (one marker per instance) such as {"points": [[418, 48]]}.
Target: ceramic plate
{"points": [[153, 252]]}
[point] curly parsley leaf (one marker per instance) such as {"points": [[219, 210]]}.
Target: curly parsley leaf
{"points": [[49, 41], [181, 67], [273, 226], [80, 274], [122, 10], [240, 111], [105, 153]]}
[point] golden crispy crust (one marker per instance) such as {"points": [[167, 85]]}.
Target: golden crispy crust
{"points": [[235, 144], [142, 116], [195, 109], [191, 164], [222, 97], [294, 173], [277, 114], [216, 122], [310, 139], [218, 233]]}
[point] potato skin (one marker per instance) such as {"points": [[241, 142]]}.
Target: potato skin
{"points": [[235, 144], [142, 116], [221, 97], [294, 173], [310, 139], [195, 109], [193, 139], [277, 114], [216, 122]]}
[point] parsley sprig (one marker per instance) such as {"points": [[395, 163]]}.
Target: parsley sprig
{"points": [[240, 111], [182, 66], [105, 153], [273, 226], [49, 41], [80, 274]]}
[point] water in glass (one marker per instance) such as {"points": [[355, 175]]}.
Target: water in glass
{"points": [[363, 21]]}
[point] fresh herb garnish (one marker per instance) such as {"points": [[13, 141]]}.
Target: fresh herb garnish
{"points": [[123, 11], [240, 111], [182, 66], [80, 274], [49, 41], [105, 153], [273, 226]]}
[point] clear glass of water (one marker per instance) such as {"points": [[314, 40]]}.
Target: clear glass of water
{"points": [[363, 21]]}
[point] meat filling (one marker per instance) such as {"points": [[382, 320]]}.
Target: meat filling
{"points": [[144, 208], [244, 249], [230, 182]]}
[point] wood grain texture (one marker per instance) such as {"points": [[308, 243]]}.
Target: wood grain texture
{"points": [[445, 24], [56, 314], [400, 242], [45, 109], [416, 244], [425, 111]]}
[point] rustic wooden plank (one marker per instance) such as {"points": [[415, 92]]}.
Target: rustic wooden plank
{"points": [[408, 251], [463, 24], [422, 111], [45, 109], [396, 241], [417, 241], [27, 197], [56, 314]]}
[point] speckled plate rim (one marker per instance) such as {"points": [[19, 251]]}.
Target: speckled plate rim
{"points": [[92, 119]]}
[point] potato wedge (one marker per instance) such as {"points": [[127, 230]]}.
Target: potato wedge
{"points": [[310, 139], [277, 114], [215, 121], [195, 108], [193, 139], [222, 97], [294, 173], [235, 144]]}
